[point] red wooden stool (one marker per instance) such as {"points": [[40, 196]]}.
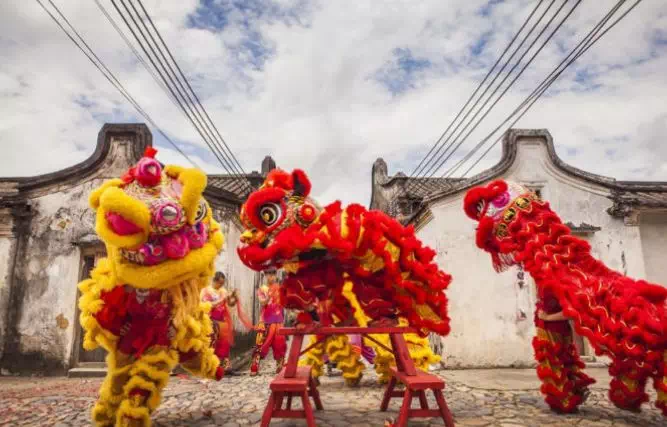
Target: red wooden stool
{"points": [[301, 385], [416, 385]]}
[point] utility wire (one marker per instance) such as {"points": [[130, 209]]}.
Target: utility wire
{"points": [[582, 47], [540, 48], [187, 109], [97, 62], [173, 89], [188, 84], [141, 59], [435, 167], [419, 167], [231, 159], [133, 49]]}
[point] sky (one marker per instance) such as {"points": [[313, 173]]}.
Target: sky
{"points": [[330, 86]]}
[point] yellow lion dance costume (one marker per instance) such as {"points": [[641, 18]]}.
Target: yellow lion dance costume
{"points": [[142, 302]]}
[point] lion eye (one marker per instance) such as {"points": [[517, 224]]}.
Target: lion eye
{"points": [[202, 210], [270, 213]]}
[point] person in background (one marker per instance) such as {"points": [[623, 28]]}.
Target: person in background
{"points": [[221, 300], [272, 317]]}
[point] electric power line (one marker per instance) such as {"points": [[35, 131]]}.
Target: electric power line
{"points": [[589, 40], [532, 58], [97, 62], [188, 84], [437, 164], [418, 170], [176, 88]]}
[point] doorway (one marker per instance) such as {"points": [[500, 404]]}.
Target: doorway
{"points": [[83, 358]]}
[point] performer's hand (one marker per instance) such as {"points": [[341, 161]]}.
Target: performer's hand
{"points": [[542, 315]]}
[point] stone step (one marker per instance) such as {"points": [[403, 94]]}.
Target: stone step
{"points": [[87, 372]]}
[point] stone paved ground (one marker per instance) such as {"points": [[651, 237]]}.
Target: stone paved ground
{"points": [[506, 398]]}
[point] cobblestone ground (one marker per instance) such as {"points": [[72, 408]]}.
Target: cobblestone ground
{"points": [[507, 398]]}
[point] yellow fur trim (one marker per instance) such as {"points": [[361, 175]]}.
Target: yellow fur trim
{"points": [[117, 201], [194, 184], [217, 239], [139, 413], [94, 198], [314, 357], [340, 352], [168, 273]]}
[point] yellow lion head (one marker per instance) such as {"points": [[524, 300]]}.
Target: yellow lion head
{"points": [[157, 227]]}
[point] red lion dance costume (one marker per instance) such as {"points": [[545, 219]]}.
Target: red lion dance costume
{"points": [[622, 318], [347, 265], [142, 302]]}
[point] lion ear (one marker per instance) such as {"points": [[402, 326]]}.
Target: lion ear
{"points": [[301, 183], [94, 198]]}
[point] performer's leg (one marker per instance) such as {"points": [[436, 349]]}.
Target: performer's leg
{"points": [[660, 384], [142, 391], [627, 386], [223, 345], [256, 354], [111, 391], [279, 348], [560, 384]]}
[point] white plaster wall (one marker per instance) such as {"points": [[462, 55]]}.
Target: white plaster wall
{"points": [[5, 271], [653, 231], [492, 317]]}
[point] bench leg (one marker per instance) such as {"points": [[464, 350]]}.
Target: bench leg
{"points": [[308, 409], [315, 393], [289, 401], [405, 409], [387, 394], [422, 399], [268, 412], [279, 399], [444, 409]]}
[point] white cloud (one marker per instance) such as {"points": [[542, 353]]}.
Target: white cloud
{"points": [[298, 80]]}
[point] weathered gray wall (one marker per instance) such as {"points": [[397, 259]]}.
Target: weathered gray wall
{"points": [[7, 245]]}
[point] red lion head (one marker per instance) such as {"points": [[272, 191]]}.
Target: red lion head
{"points": [[496, 206], [276, 218]]}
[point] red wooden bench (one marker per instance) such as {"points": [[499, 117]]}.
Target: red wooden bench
{"points": [[416, 385], [300, 385]]}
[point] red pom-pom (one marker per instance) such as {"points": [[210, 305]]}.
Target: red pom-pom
{"points": [[150, 152]]}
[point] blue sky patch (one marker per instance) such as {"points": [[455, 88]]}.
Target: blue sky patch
{"points": [[401, 72]]}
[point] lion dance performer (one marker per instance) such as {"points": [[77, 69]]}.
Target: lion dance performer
{"points": [[142, 302], [271, 319], [221, 300], [344, 266], [622, 318]]}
